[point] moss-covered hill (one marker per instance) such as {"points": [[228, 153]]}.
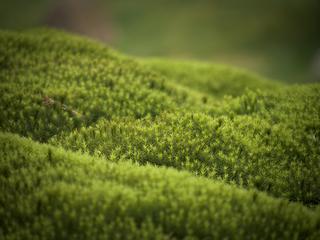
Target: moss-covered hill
{"points": [[178, 149]]}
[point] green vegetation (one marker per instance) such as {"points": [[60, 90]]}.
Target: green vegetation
{"points": [[258, 140], [154, 149], [61, 195], [213, 80]]}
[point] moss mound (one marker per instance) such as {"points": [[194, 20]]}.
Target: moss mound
{"points": [[212, 80], [178, 149], [258, 140], [62, 195]]}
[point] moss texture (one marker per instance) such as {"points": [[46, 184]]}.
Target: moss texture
{"points": [[150, 149]]}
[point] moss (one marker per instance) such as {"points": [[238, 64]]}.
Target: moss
{"points": [[260, 140], [64, 195], [166, 139], [213, 80]]}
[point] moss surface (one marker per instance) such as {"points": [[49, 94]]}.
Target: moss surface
{"points": [[178, 149]]}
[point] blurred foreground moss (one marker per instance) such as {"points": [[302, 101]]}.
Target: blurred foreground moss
{"points": [[48, 193]]}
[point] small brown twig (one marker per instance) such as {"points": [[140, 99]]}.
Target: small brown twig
{"points": [[49, 102]]}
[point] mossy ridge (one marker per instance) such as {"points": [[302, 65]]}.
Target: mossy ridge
{"points": [[60, 194], [213, 80], [267, 141], [86, 76], [90, 79]]}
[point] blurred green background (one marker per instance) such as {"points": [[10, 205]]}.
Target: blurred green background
{"points": [[277, 38]]}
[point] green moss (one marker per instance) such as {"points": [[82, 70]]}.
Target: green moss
{"points": [[63, 195], [85, 76], [167, 140], [261, 140], [213, 80]]}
